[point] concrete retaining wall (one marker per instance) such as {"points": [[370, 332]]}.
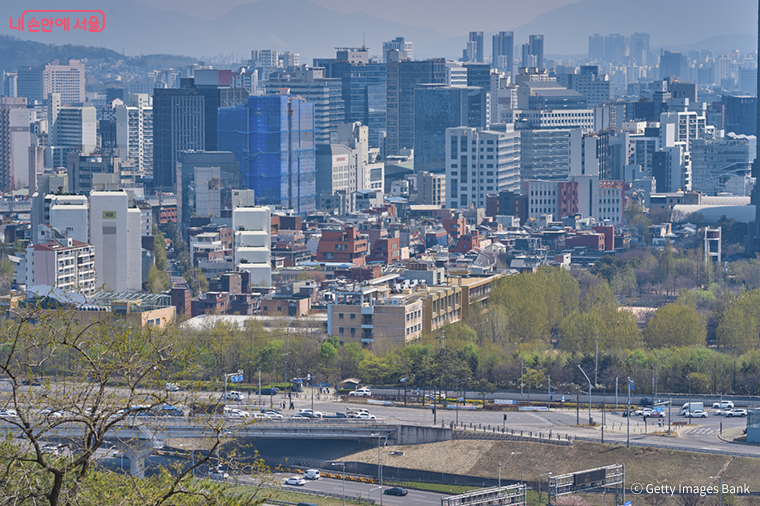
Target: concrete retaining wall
{"points": [[413, 435]]}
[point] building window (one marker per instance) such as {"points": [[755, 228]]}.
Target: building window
{"points": [[353, 316], [340, 329], [340, 316]]}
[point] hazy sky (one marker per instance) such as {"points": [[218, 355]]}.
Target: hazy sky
{"points": [[450, 17]]}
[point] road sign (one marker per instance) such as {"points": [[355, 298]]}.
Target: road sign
{"points": [[563, 398], [237, 378]]}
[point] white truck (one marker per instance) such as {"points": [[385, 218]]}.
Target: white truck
{"points": [[691, 406]]}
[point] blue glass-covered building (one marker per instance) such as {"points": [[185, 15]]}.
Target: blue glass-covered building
{"points": [[273, 140]]}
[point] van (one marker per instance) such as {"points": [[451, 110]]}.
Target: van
{"points": [[691, 406], [311, 474], [234, 395]]}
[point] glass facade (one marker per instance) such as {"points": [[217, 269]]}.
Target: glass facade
{"points": [[273, 140]]}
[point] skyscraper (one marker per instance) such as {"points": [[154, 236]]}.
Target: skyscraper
{"points": [[178, 125], [639, 48], [502, 57], [403, 78], [674, 64], [596, 47], [475, 47], [272, 138], [438, 107], [536, 43], [14, 142], [65, 77], [401, 45]]}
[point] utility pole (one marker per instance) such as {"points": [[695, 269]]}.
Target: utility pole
{"points": [[628, 417], [549, 392], [616, 392], [670, 405], [589, 393], [287, 369], [596, 362], [522, 374], [577, 405]]}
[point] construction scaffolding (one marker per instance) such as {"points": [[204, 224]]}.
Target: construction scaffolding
{"points": [[273, 140]]}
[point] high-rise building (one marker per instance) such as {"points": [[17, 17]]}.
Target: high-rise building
{"points": [[187, 119], [639, 49], [503, 54], [134, 132], [363, 84], [596, 47], [431, 189], [715, 163], [403, 78], [207, 180], [536, 48], [66, 216], [272, 138], [616, 49], [71, 129], [115, 235], [401, 45], [740, 114], [480, 162], [10, 84], [474, 50], [178, 125], [15, 140], [87, 172], [437, 108], [65, 77], [251, 242], [596, 88], [674, 64], [549, 153], [325, 94]]}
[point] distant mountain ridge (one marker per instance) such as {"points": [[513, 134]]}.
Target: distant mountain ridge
{"points": [[313, 31]]}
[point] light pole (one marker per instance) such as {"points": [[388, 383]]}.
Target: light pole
{"points": [[344, 479], [539, 486], [500, 474], [521, 465], [589, 393], [369, 494], [720, 490], [628, 417], [468, 379]]}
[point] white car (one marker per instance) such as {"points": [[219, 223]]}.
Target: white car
{"points": [[310, 413], [236, 413], [723, 404], [722, 411], [218, 474], [365, 416], [362, 392], [355, 413], [299, 417], [295, 480], [271, 414], [737, 412], [697, 413], [8, 413], [50, 412]]}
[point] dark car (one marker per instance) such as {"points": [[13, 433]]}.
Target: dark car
{"points": [[396, 491], [646, 401], [269, 391]]}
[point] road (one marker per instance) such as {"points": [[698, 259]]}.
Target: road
{"points": [[354, 489]]}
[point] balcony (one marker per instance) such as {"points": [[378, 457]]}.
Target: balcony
{"points": [[367, 326], [368, 310]]}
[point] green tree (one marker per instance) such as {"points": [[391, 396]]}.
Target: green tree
{"points": [[196, 281], [739, 325], [675, 325]]}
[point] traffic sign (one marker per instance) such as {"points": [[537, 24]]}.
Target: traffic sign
{"points": [[237, 378]]}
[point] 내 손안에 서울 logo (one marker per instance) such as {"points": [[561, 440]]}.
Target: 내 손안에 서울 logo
{"points": [[44, 21]]}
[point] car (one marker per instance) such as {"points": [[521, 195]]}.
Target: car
{"points": [[272, 415], [396, 491], [696, 414], [236, 413], [52, 413], [233, 396], [299, 417], [310, 413], [311, 474], [52, 449], [268, 391], [216, 473], [172, 387], [356, 412], [723, 404], [306, 504], [295, 480], [737, 412], [722, 412], [8, 413], [365, 416], [654, 414], [646, 401], [362, 392]]}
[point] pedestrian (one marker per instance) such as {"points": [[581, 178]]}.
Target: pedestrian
{"points": [[292, 406]]}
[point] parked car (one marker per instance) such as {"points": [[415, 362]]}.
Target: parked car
{"points": [[396, 491], [696, 414], [362, 392], [722, 411], [295, 480], [311, 474], [737, 412], [365, 416]]}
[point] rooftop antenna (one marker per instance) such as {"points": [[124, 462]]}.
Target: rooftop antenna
{"points": [[364, 40]]}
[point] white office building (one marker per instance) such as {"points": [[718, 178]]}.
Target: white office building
{"points": [[115, 234], [71, 129], [251, 243], [479, 162]]}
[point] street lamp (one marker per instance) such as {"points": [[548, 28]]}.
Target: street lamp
{"points": [[500, 474], [369, 494], [589, 393], [344, 479], [720, 490], [539, 486], [521, 465], [468, 379]]}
